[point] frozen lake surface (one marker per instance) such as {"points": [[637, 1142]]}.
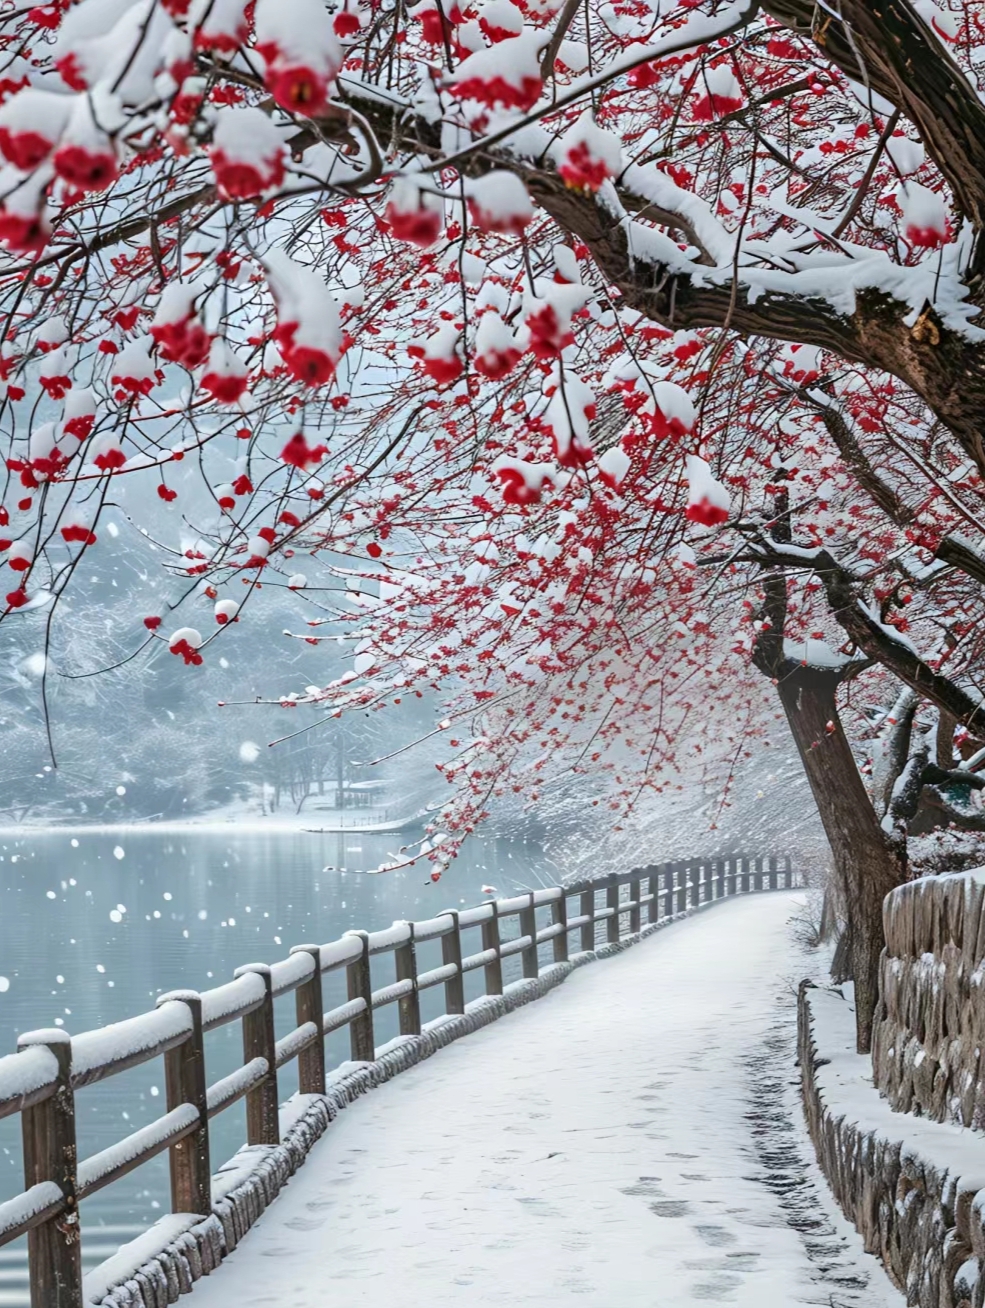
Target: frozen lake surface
{"points": [[94, 926]]}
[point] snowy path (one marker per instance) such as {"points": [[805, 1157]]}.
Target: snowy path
{"points": [[632, 1140]]}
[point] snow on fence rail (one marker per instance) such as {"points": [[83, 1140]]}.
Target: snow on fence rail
{"points": [[40, 1081]]}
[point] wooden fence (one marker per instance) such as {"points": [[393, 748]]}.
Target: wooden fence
{"points": [[42, 1079]]}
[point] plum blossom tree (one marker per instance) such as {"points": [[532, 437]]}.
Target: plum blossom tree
{"points": [[602, 356]]}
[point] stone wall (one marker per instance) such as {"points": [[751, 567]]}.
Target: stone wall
{"points": [[914, 1188], [929, 1037]]}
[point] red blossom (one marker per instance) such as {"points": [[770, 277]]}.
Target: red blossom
{"points": [[517, 489], [499, 92], [346, 24], [239, 180], [110, 459], [300, 454], [24, 233], [25, 149], [185, 342], [547, 336], [708, 514], [298, 88], [89, 170], [76, 532]]}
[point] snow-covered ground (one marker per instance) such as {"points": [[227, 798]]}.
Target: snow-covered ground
{"points": [[241, 815], [633, 1139]]}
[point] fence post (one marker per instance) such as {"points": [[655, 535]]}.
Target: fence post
{"points": [[359, 985], [680, 872], [309, 1006], [588, 928], [451, 953], [185, 1083], [409, 1008], [732, 880], [612, 901], [789, 871], [490, 940], [528, 927], [653, 888], [757, 876], [696, 871], [54, 1249], [744, 876], [666, 877], [260, 1041], [559, 917], [635, 890], [772, 879]]}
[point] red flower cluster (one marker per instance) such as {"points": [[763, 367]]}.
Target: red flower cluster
{"points": [[77, 531], [186, 651], [88, 170], [185, 342], [239, 180], [547, 335], [706, 513], [299, 454], [309, 366], [581, 170]]}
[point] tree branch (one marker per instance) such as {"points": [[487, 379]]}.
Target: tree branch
{"points": [[894, 749], [874, 638], [903, 61], [938, 776], [943, 367]]}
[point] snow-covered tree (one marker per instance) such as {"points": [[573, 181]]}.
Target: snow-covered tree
{"points": [[600, 357]]}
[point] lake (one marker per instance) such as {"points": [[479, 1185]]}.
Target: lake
{"points": [[94, 926]]}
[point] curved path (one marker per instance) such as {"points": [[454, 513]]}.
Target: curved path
{"points": [[632, 1140]]}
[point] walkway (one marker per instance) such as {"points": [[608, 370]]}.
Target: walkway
{"points": [[630, 1141]]}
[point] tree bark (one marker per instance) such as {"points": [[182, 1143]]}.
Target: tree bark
{"points": [[868, 862]]}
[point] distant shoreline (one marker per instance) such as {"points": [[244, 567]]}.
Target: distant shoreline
{"points": [[222, 823]]}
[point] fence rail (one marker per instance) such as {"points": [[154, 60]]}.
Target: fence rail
{"points": [[41, 1080]]}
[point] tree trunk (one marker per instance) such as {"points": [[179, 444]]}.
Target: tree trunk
{"points": [[868, 862], [829, 916]]}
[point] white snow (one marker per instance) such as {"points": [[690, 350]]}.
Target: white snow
{"points": [[129, 1039], [290, 972], [337, 952], [218, 1004], [24, 1072], [814, 653], [236, 1084], [389, 937], [132, 1256], [15, 1212], [846, 1084], [305, 304], [341, 1016], [594, 1147], [294, 1042]]}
